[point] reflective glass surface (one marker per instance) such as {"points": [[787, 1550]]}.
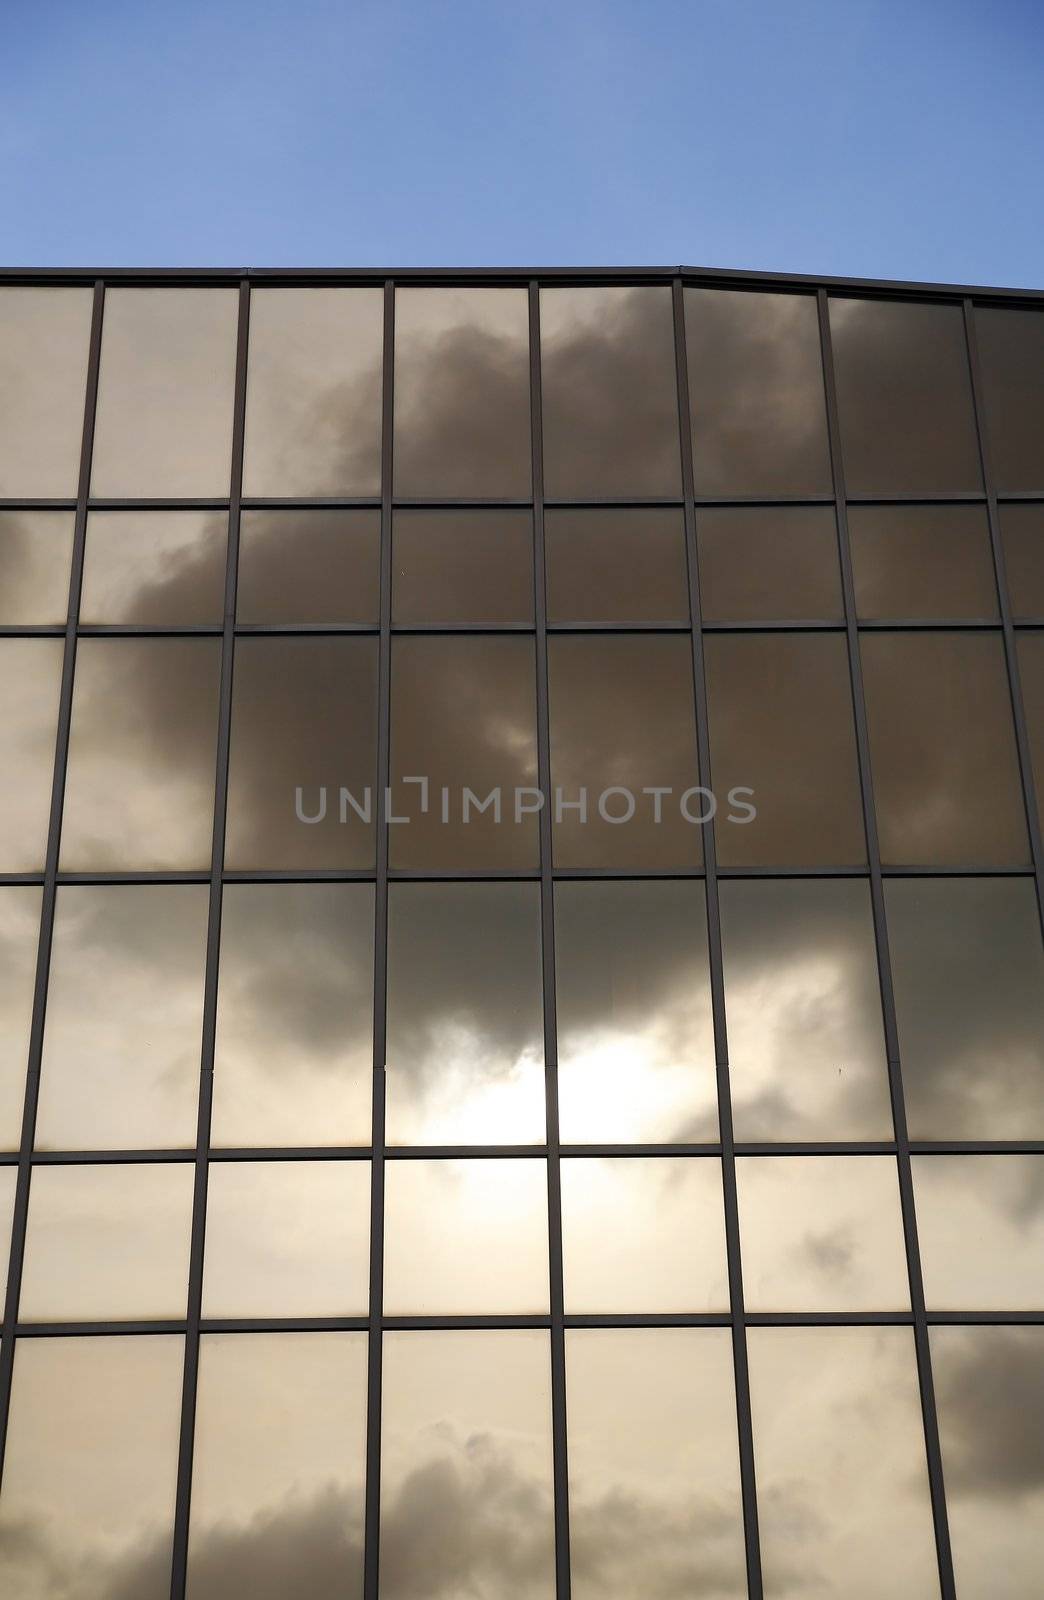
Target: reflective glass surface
{"points": [[922, 561], [1011, 359], [35, 556], [1031, 672], [616, 564], [306, 567], [8, 1183], [155, 569], [768, 564], [464, 566], [19, 939], [30, 680], [980, 1223], [1022, 539], [44, 335]]}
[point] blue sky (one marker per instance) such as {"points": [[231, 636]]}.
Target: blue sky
{"points": [[860, 137]]}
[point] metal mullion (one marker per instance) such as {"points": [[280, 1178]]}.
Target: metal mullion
{"points": [[933, 1452], [179, 1562], [1011, 654], [556, 1284], [375, 1351], [752, 1541], [50, 878]]}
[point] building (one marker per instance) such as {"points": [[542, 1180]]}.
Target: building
{"points": [[615, 702]]}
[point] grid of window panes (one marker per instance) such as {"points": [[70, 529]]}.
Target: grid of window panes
{"points": [[597, 1202]]}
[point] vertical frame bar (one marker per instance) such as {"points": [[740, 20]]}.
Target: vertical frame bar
{"points": [[179, 1566], [717, 976], [54, 833], [559, 1435], [895, 1081]]}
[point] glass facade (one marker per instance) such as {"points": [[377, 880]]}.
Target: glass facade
{"points": [[521, 962]]}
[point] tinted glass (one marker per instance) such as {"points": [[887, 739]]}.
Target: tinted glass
{"points": [[942, 747], [307, 566], [313, 400], [821, 1233], [465, 1236], [1011, 357], [610, 397], [91, 1468], [124, 1021], [1022, 538], [304, 739], [760, 564], [462, 393], [165, 393], [616, 565], [839, 1455], [463, 716], [904, 398], [142, 752], [635, 1034], [922, 561], [287, 1239], [30, 680], [756, 393], [462, 567], [643, 1235], [622, 726], [989, 1395], [1031, 672], [968, 973], [466, 1454], [278, 1464], [654, 1496], [980, 1223], [157, 569], [44, 336], [465, 1016], [294, 1053], [107, 1242], [19, 938], [803, 1003], [781, 730], [35, 556]]}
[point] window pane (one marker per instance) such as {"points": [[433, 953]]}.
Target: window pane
{"points": [[30, 680], [462, 567], [609, 391], [980, 1222], [465, 1236], [293, 1061], [1011, 354], [622, 726], [922, 561], [313, 400], [768, 565], [465, 1014], [781, 730], [35, 557], [635, 1033], [306, 567], [946, 776], [839, 1453], [616, 565], [44, 338], [968, 970], [644, 1234], [463, 716], [1022, 537], [287, 1239], [140, 786], [803, 1000], [904, 398], [989, 1391], [654, 1489], [278, 1465], [19, 939], [91, 1468], [1031, 673], [8, 1184], [466, 1453], [157, 569], [121, 1054], [165, 393], [107, 1242], [822, 1233], [756, 393], [304, 731], [462, 393]]}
